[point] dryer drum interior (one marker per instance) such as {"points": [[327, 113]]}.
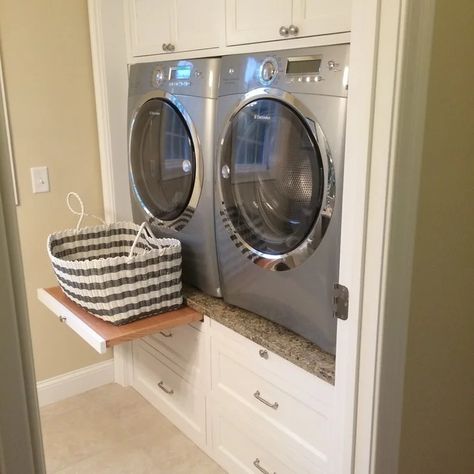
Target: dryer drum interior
{"points": [[162, 159], [272, 178]]}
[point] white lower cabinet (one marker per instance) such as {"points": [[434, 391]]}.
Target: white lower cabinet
{"points": [[249, 409], [242, 444], [181, 402]]}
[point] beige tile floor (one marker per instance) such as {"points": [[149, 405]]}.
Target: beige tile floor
{"points": [[114, 430]]}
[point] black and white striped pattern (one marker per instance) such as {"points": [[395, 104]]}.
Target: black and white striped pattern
{"points": [[94, 270]]}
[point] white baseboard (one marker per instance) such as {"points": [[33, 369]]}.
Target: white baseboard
{"points": [[75, 382]]}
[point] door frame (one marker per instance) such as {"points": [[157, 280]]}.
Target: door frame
{"points": [[402, 31], [21, 445], [384, 137]]}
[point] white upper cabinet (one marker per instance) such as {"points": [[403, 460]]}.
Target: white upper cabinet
{"points": [[150, 25], [322, 17], [165, 26], [250, 21], [199, 24]]}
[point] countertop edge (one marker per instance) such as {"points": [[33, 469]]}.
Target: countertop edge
{"points": [[271, 336]]}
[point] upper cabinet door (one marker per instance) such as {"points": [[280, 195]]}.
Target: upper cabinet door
{"points": [[151, 25], [199, 24], [321, 17], [250, 21], [253, 21]]}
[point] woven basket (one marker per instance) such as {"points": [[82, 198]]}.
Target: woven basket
{"points": [[118, 272]]}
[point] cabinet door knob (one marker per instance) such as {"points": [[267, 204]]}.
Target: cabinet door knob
{"points": [[283, 31], [62, 319], [263, 353], [164, 47], [293, 30], [170, 47]]}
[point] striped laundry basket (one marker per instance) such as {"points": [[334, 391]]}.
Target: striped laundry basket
{"points": [[118, 272]]}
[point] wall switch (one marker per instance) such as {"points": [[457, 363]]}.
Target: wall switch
{"points": [[40, 179]]}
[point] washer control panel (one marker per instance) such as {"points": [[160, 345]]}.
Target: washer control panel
{"points": [[196, 78], [179, 75]]}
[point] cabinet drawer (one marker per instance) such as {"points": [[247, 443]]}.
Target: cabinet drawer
{"points": [[185, 349], [241, 446], [177, 399], [298, 405]]}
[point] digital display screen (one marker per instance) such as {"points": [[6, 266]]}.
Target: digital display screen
{"points": [[303, 66], [180, 73]]}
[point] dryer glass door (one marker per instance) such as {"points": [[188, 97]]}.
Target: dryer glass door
{"points": [[272, 176], [163, 160]]}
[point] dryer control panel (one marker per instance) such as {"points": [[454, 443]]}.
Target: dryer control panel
{"points": [[318, 70]]}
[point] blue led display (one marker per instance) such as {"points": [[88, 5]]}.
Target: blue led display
{"points": [[182, 72]]}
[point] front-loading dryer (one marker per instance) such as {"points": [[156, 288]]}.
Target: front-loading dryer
{"points": [[171, 115], [280, 128]]}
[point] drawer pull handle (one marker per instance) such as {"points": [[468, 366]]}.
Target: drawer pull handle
{"points": [[260, 399], [263, 353], [256, 463], [62, 319], [166, 390], [166, 334]]}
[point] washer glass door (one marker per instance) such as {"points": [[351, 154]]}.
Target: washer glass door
{"points": [[162, 159], [272, 177]]}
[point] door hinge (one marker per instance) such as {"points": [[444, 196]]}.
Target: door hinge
{"points": [[340, 301]]}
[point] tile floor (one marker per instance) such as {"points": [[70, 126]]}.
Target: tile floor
{"points": [[115, 430]]}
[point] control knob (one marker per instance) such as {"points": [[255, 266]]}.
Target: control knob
{"points": [[268, 71], [158, 77]]}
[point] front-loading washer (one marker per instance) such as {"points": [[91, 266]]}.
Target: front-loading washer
{"points": [[280, 148], [171, 115]]}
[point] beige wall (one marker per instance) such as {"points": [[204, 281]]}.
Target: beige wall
{"points": [[438, 419], [46, 58]]}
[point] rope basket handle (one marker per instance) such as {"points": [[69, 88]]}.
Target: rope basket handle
{"points": [[81, 212], [146, 227]]}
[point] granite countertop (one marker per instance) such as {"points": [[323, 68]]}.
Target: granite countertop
{"points": [[265, 333]]}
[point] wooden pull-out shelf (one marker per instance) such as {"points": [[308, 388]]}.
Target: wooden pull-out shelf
{"points": [[101, 334]]}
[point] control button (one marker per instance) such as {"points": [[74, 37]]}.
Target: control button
{"points": [[332, 65], [231, 71], [197, 73], [300, 79], [308, 79]]}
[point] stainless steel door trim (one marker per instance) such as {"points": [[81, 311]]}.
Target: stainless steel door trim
{"points": [[188, 212], [300, 254]]}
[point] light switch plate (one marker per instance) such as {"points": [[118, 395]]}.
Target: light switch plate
{"points": [[40, 179]]}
